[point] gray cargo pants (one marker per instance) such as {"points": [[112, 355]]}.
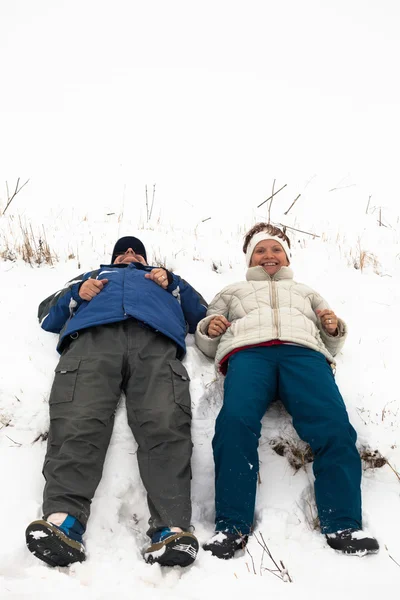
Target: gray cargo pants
{"points": [[92, 372]]}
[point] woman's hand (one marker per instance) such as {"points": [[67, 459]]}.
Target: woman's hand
{"points": [[329, 321], [217, 326], [159, 276]]}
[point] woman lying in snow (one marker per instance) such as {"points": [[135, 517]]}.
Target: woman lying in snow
{"points": [[274, 337]]}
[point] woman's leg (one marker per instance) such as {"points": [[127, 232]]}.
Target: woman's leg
{"points": [[250, 386], [308, 390]]}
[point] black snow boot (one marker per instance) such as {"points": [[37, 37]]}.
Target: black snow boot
{"points": [[224, 544], [47, 542], [170, 548], [353, 541]]}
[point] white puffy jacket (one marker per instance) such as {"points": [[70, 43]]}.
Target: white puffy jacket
{"points": [[265, 308]]}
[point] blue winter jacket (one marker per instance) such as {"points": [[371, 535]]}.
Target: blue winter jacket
{"points": [[128, 294]]}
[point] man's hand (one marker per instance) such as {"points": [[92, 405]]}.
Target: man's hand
{"points": [[159, 276], [217, 326], [91, 287], [329, 321]]}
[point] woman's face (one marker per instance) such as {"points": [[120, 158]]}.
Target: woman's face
{"points": [[269, 255]]}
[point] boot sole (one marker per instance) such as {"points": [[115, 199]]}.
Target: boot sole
{"points": [[50, 545], [177, 550], [359, 553]]}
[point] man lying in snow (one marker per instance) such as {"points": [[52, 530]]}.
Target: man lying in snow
{"points": [[122, 328]]}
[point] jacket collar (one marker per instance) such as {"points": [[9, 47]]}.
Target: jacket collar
{"points": [[258, 274], [132, 265]]}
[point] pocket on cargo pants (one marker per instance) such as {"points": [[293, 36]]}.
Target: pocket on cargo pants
{"points": [[66, 373], [180, 386]]}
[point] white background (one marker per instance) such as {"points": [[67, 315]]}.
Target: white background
{"points": [[211, 101]]}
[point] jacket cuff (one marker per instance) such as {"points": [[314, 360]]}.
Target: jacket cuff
{"points": [[334, 343], [342, 331], [75, 293], [206, 344]]}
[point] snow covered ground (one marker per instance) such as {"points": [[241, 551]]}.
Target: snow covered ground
{"points": [[209, 256]]}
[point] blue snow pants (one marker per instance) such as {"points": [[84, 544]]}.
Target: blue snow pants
{"points": [[303, 380]]}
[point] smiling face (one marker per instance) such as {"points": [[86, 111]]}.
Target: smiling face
{"points": [[269, 255], [128, 257]]}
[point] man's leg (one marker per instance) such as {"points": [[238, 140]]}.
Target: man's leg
{"points": [[308, 390], [250, 386], [83, 400], [159, 414]]}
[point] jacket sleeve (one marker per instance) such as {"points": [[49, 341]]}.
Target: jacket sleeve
{"points": [[55, 310], [208, 345], [334, 343], [193, 305]]}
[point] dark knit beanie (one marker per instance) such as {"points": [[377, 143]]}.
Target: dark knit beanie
{"points": [[128, 242]]}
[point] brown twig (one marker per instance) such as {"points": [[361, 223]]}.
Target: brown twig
{"points": [[295, 200], [262, 562], [390, 556], [17, 190], [13, 441], [300, 230], [277, 192], [252, 561], [283, 572], [369, 200], [343, 187], [268, 550], [152, 200], [393, 469], [270, 204]]}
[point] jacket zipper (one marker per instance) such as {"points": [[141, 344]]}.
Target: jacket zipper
{"points": [[123, 293], [274, 304]]}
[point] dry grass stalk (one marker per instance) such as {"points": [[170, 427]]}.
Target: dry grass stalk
{"points": [[32, 250], [393, 469], [16, 191], [270, 204], [42, 437], [390, 556], [299, 230], [273, 194], [280, 571], [8, 253], [4, 421], [293, 203], [149, 209], [13, 441], [308, 507], [363, 259]]}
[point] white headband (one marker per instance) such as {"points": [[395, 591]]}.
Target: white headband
{"points": [[259, 237]]}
